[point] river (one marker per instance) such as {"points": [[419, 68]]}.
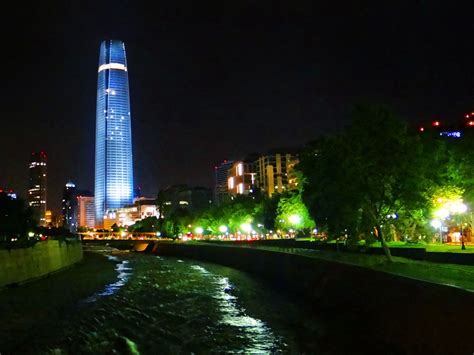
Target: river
{"points": [[147, 304]]}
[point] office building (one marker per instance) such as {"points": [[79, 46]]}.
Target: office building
{"points": [[275, 173], [37, 185], [69, 207], [185, 197], [241, 178], [85, 211], [221, 192], [142, 208], [113, 153]]}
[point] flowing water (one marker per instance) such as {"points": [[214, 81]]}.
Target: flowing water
{"points": [[162, 305]]}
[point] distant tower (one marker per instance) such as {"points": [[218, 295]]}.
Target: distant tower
{"points": [[113, 151], [69, 207], [37, 185]]}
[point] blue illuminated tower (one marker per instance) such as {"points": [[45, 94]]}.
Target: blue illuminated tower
{"points": [[113, 143]]}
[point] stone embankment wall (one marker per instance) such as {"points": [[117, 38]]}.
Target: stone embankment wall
{"points": [[20, 265], [399, 314]]}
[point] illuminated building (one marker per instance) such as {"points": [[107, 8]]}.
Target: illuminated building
{"points": [[113, 153], [126, 216], [9, 192], [37, 185], [69, 207], [221, 192], [275, 173], [241, 178], [85, 211], [48, 217]]}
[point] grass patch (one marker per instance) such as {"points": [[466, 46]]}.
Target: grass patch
{"points": [[461, 276]]}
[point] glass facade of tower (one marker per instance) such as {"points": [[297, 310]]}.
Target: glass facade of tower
{"points": [[113, 151]]}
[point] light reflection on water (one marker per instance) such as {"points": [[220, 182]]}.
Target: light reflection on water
{"points": [[124, 273], [260, 335], [177, 305]]}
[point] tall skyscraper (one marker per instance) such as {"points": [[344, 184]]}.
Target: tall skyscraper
{"points": [[113, 151], [37, 185], [69, 206]]}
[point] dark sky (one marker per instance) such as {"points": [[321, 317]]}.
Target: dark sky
{"points": [[211, 83]]}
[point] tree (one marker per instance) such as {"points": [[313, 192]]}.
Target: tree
{"points": [[292, 213], [148, 224], [16, 220], [358, 180]]}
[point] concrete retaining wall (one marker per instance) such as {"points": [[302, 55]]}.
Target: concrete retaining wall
{"points": [[20, 265], [386, 312]]}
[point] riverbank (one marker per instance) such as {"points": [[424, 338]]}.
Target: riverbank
{"points": [[32, 312], [373, 311], [453, 275], [24, 264]]}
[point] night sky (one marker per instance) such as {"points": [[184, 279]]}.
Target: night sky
{"points": [[212, 83]]}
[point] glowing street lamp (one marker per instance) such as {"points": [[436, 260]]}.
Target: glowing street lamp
{"points": [[436, 223], [442, 213], [199, 230], [294, 219], [246, 227], [223, 229]]}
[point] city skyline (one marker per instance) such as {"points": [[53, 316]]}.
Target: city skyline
{"points": [[217, 83]]}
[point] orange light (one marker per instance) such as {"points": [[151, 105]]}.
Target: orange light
{"points": [[470, 123]]}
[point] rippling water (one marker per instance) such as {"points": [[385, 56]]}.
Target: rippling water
{"points": [[168, 305]]}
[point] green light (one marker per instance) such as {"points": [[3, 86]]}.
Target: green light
{"points": [[294, 219], [199, 230]]}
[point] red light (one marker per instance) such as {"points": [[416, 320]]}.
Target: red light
{"points": [[470, 123], [436, 123], [422, 129], [467, 116]]}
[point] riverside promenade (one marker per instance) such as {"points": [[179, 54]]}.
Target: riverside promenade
{"points": [[373, 299]]}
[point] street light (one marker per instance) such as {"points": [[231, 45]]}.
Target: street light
{"points": [[294, 219], [436, 223], [246, 227], [223, 229]]}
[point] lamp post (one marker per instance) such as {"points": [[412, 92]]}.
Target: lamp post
{"points": [[294, 220], [436, 223]]}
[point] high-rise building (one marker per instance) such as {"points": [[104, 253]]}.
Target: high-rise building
{"points": [[275, 173], [221, 192], [113, 152], [85, 211], [69, 206], [37, 185], [241, 178]]}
